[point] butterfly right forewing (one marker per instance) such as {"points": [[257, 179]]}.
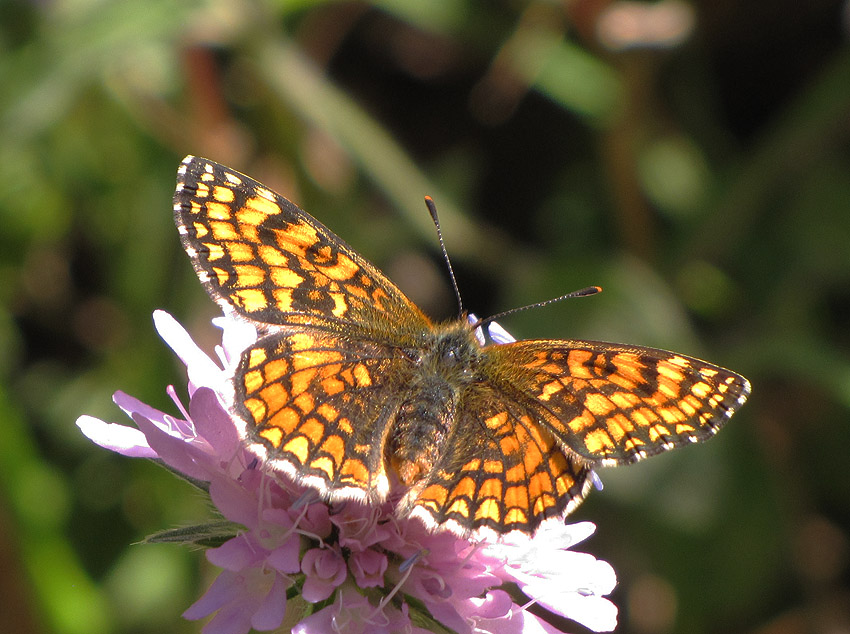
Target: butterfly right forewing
{"points": [[615, 404]]}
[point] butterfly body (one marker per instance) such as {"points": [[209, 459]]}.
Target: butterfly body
{"points": [[352, 390], [444, 367]]}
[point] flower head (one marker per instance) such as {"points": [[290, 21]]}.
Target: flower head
{"points": [[360, 567]]}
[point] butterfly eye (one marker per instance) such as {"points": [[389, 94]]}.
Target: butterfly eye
{"points": [[450, 357]]}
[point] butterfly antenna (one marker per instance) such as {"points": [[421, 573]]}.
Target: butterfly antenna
{"points": [[432, 209], [585, 292]]}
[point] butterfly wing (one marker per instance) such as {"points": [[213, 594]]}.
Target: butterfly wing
{"points": [[316, 392], [615, 404], [551, 411], [318, 406], [262, 257], [501, 470]]}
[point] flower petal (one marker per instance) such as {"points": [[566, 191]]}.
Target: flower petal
{"points": [[215, 597], [128, 441], [270, 613], [175, 452], [499, 334], [495, 604], [325, 570], [213, 423], [201, 369], [131, 405], [231, 498], [235, 554], [236, 335]]}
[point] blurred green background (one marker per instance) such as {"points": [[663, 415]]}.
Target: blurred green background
{"points": [[691, 158]]}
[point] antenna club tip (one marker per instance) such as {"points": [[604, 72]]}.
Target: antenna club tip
{"points": [[432, 209], [590, 290]]}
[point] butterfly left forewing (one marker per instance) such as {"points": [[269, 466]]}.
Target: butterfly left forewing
{"points": [[615, 404], [261, 257]]}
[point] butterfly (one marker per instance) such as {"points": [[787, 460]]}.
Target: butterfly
{"points": [[353, 391]]}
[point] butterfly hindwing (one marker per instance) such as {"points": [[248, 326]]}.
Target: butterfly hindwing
{"points": [[503, 470], [319, 406]]}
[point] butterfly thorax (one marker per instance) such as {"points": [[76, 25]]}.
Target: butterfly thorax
{"points": [[445, 365]]}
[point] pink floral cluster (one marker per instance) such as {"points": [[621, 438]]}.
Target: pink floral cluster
{"points": [[359, 568]]}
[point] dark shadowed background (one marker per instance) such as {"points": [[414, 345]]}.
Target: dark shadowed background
{"points": [[691, 158]]}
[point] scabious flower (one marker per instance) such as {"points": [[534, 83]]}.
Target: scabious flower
{"points": [[358, 567]]}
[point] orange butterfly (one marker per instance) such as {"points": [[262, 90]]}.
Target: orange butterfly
{"points": [[352, 390]]}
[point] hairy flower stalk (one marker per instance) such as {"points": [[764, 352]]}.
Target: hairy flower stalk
{"points": [[359, 568]]}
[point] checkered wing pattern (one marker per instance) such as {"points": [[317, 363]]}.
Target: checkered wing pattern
{"points": [[261, 256], [319, 406], [613, 404], [503, 471]]}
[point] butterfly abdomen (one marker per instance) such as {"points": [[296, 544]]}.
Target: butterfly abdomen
{"points": [[416, 438]]}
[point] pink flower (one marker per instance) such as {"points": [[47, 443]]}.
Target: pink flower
{"points": [[364, 568], [325, 570], [352, 613], [582, 580], [251, 598], [368, 568]]}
